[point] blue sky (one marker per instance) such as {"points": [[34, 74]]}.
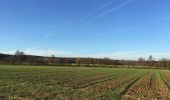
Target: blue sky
{"points": [[92, 28]]}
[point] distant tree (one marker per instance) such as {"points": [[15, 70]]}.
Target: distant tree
{"points": [[78, 61], [150, 58], [18, 53], [151, 61], [168, 63], [31, 60], [107, 61], [19, 57], [141, 61], [52, 59], [52, 56], [163, 62], [122, 62]]}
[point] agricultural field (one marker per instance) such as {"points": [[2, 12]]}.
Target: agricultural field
{"points": [[82, 83]]}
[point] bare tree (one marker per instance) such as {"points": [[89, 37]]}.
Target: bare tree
{"points": [[150, 58], [150, 61], [163, 62], [52, 59], [78, 61], [141, 61], [18, 53], [19, 56]]}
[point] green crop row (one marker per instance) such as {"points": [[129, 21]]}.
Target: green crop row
{"points": [[51, 83]]}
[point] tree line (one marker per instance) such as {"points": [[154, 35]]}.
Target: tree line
{"points": [[21, 58]]}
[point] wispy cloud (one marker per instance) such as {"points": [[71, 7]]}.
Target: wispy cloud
{"points": [[158, 20], [96, 10], [48, 35], [112, 31], [114, 8], [132, 26]]}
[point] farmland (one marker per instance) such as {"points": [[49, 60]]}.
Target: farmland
{"points": [[79, 83]]}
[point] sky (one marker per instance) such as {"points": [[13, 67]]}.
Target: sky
{"points": [[119, 29]]}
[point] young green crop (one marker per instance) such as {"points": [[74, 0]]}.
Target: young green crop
{"points": [[43, 82]]}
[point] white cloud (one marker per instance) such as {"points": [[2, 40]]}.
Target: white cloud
{"points": [[127, 55], [8, 52], [41, 52], [46, 52]]}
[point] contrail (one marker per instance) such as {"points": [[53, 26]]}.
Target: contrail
{"points": [[114, 31], [96, 10], [159, 20], [47, 35], [133, 26], [115, 8]]}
